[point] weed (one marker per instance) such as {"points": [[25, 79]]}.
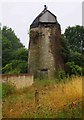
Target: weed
{"points": [[0, 90], [7, 89], [71, 111], [56, 100], [44, 83]]}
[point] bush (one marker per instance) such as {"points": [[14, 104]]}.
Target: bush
{"points": [[74, 69], [16, 66], [7, 89], [71, 111], [60, 75]]}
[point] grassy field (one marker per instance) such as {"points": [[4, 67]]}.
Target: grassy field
{"points": [[53, 100]]}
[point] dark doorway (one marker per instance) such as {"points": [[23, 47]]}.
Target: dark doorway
{"points": [[44, 73]]}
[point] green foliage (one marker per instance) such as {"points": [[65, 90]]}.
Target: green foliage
{"points": [[10, 35], [15, 55], [7, 89], [77, 57], [0, 90], [44, 82], [16, 66], [61, 76], [42, 113], [64, 48], [10, 43], [72, 49], [71, 111], [21, 54], [75, 37], [74, 69]]}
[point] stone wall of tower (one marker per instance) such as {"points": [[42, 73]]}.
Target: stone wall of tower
{"points": [[44, 51]]}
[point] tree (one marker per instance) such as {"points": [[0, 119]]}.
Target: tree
{"points": [[6, 51], [14, 55], [74, 69], [65, 52], [10, 35], [16, 66], [21, 54], [73, 49], [75, 37], [10, 43]]}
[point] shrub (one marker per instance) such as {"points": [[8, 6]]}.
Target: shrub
{"points": [[7, 89], [74, 69], [71, 111], [60, 75], [16, 66]]}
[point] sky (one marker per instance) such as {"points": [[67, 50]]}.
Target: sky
{"points": [[20, 14]]}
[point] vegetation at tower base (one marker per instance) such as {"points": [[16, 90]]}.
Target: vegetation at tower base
{"points": [[14, 54]]}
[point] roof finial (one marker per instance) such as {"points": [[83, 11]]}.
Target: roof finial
{"points": [[45, 7]]}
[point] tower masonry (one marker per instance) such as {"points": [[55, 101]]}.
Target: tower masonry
{"points": [[44, 45]]}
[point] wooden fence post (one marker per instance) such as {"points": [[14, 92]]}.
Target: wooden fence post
{"points": [[36, 98]]}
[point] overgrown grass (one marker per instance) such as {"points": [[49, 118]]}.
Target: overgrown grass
{"points": [[0, 90], [7, 89], [73, 110], [56, 100], [44, 83]]}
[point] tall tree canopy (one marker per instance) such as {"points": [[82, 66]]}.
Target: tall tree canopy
{"points": [[73, 49], [75, 37], [14, 55], [9, 34]]}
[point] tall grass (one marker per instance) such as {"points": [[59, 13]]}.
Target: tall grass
{"points": [[7, 89], [0, 90], [55, 99]]}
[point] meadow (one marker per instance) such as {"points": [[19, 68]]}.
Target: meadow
{"points": [[45, 99]]}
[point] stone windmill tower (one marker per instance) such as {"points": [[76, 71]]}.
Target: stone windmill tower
{"points": [[44, 45]]}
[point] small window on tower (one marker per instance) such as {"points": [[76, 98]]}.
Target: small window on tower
{"points": [[44, 69], [44, 73]]}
